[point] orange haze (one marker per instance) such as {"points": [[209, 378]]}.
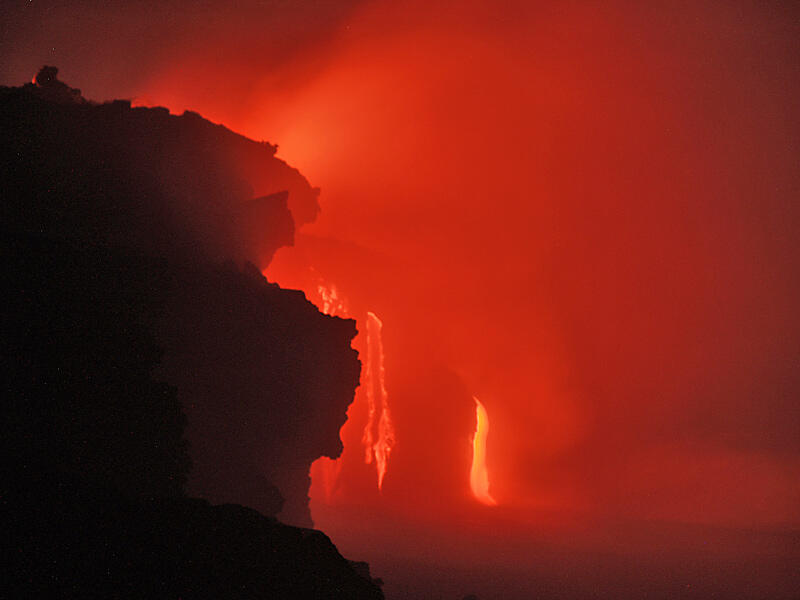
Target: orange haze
{"points": [[583, 213]]}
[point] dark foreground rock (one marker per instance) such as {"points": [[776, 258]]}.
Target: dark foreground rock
{"points": [[74, 540]]}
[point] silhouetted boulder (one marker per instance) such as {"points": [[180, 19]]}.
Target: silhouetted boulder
{"points": [[49, 87]]}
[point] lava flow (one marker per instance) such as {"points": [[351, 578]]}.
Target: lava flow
{"points": [[479, 475], [378, 445], [378, 436], [332, 303]]}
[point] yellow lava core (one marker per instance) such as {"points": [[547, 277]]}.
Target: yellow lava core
{"points": [[479, 476]]}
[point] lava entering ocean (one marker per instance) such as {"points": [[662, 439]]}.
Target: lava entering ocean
{"points": [[378, 437], [479, 475], [590, 222], [378, 444]]}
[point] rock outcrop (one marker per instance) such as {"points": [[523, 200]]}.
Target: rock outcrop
{"points": [[80, 541], [265, 380], [176, 186], [138, 320]]}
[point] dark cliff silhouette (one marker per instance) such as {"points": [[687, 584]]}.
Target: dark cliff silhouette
{"points": [[142, 350], [74, 540], [176, 186], [265, 378]]}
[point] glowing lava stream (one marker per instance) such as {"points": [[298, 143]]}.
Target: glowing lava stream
{"points": [[378, 437], [378, 449], [479, 476], [332, 303]]}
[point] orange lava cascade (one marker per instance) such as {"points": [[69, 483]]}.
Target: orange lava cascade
{"points": [[479, 475], [378, 437], [377, 444], [332, 303]]}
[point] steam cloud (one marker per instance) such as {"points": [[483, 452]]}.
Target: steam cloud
{"points": [[585, 213]]}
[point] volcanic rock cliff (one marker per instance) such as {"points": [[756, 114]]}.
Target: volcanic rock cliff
{"points": [[137, 321]]}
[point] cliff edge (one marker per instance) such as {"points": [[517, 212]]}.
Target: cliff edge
{"points": [[144, 354]]}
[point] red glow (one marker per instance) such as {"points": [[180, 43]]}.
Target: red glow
{"points": [[565, 225], [331, 302], [586, 211], [479, 474]]}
